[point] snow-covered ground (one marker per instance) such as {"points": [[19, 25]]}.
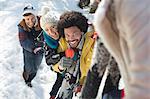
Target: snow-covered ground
{"points": [[12, 85]]}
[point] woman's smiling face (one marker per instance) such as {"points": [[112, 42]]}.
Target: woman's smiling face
{"points": [[52, 31], [30, 20]]}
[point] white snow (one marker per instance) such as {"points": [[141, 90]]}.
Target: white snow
{"points": [[12, 85]]}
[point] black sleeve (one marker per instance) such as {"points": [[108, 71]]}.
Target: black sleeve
{"points": [[51, 56]]}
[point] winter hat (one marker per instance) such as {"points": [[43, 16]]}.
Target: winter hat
{"points": [[48, 17], [29, 9]]}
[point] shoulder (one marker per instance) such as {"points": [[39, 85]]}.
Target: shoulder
{"points": [[91, 34], [90, 38], [22, 26]]}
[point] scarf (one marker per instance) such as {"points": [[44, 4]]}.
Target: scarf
{"points": [[52, 43]]}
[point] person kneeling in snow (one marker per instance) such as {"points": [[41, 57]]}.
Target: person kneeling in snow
{"points": [[31, 40]]}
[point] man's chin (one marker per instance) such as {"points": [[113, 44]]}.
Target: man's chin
{"points": [[73, 46]]}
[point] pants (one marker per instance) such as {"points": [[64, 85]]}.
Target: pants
{"points": [[31, 65], [56, 85]]}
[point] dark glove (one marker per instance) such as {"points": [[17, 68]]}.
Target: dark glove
{"points": [[66, 62]]}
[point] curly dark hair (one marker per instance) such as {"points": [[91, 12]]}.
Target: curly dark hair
{"points": [[72, 18]]}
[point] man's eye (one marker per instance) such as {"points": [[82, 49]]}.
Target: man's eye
{"points": [[67, 35]]}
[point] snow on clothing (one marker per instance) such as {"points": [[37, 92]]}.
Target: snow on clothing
{"points": [[124, 27], [102, 59], [29, 40]]}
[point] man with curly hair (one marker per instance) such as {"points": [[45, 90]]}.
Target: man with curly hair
{"points": [[73, 25]]}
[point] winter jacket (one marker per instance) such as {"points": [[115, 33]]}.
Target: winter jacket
{"points": [[30, 38], [53, 49], [53, 55], [86, 56], [124, 28]]}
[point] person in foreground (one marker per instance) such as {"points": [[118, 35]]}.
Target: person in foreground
{"points": [[124, 28]]}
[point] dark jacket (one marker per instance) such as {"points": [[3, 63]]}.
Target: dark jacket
{"points": [[30, 38]]}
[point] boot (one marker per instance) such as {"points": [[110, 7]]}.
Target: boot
{"points": [[29, 84], [25, 76]]}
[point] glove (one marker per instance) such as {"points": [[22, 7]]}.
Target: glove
{"points": [[65, 62], [38, 50]]}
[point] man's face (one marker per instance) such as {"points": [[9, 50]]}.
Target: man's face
{"points": [[30, 20], [52, 31], [73, 36]]}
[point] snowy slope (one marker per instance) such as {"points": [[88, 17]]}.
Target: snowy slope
{"points": [[12, 85]]}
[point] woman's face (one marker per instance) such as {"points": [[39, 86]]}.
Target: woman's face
{"points": [[73, 36], [30, 20], [52, 31]]}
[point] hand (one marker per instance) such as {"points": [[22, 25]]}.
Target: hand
{"points": [[77, 89], [65, 62], [38, 50]]}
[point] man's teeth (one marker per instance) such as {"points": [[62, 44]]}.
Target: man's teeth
{"points": [[73, 42]]}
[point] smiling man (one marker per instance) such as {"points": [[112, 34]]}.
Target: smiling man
{"points": [[73, 26]]}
